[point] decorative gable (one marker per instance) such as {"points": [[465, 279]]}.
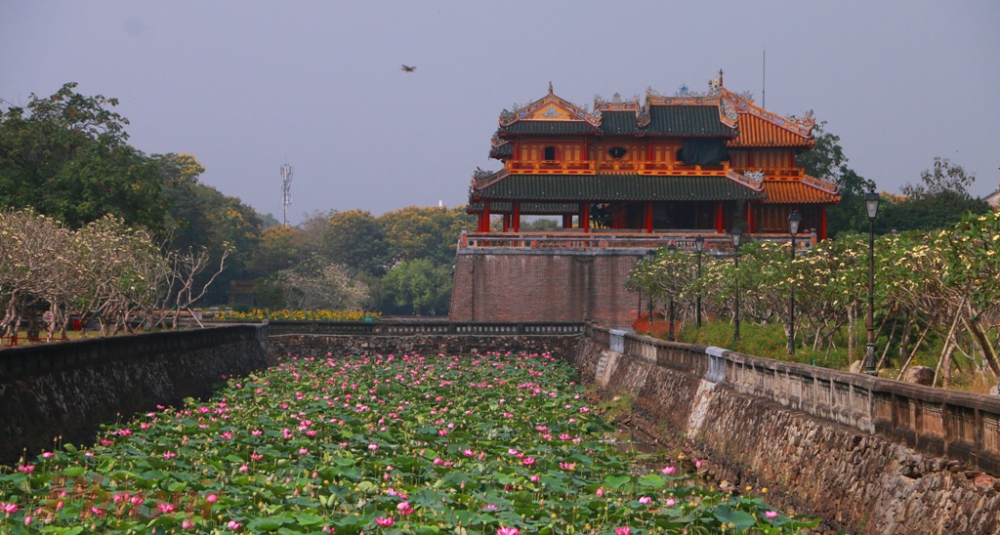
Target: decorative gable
{"points": [[548, 108]]}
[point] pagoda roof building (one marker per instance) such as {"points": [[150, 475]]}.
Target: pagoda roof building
{"points": [[695, 163]]}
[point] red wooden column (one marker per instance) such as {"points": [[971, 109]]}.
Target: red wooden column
{"points": [[516, 222], [751, 224], [649, 217], [822, 222], [506, 222], [585, 217], [567, 220], [484, 217], [718, 218]]}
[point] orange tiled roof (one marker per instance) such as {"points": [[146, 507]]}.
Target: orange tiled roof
{"points": [[758, 132], [796, 192]]}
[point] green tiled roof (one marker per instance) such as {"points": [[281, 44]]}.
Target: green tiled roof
{"points": [[550, 127], [503, 151], [619, 123], [608, 187], [528, 208], [686, 121]]}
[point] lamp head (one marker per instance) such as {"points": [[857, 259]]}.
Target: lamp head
{"points": [[651, 255], [737, 236], [699, 244], [872, 201], [671, 249], [793, 222]]}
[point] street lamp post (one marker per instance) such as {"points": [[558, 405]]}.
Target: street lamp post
{"points": [[650, 256], [793, 228], [872, 200], [737, 235], [699, 245], [672, 249], [638, 306]]}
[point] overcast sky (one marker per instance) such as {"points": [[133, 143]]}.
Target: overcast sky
{"points": [[245, 86]]}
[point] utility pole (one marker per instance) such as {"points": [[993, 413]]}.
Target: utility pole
{"points": [[286, 190]]}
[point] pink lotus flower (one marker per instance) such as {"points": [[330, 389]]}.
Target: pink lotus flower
{"points": [[96, 511], [212, 498], [404, 508], [671, 502], [47, 455], [697, 464], [27, 468], [256, 432], [528, 461], [244, 468], [535, 479], [303, 451], [9, 508], [623, 530], [165, 507], [27, 520], [669, 470], [489, 507], [508, 531], [373, 447], [187, 524], [567, 466], [227, 435], [645, 500], [600, 492], [771, 515], [384, 521], [234, 525], [469, 453]]}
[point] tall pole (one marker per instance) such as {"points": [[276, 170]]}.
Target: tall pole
{"points": [[870, 350], [736, 316], [698, 301], [791, 305], [672, 339]]}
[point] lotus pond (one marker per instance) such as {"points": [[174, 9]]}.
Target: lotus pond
{"points": [[405, 444]]}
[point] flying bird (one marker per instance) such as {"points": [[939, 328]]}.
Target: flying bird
{"points": [[407, 68]]}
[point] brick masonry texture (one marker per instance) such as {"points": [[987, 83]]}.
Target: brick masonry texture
{"points": [[544, 285], [856, 482], [120, 376]]}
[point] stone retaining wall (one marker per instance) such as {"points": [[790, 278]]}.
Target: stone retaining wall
{"points": [[67, 389], [857, 481]]}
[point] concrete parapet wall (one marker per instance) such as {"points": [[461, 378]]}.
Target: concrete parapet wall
{"points": [[67, 389], [510, 285]]}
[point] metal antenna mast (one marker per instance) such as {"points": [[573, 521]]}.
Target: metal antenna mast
{"points": [[286, 189]]}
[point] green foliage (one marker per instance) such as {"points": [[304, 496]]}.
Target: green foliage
{"points": [[67, 157], [425, 233], [418, 286], [356, 240]]}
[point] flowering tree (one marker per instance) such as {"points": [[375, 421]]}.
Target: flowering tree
{"points": [[943, 284]]}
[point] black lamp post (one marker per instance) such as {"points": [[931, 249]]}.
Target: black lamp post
{"points": [[650, 256], [638, 314], [793, 228], [672, 249], [871, 205], [699, 245], [737, 235]]}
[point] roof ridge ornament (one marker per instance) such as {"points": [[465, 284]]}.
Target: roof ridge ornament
{"points": [[550, 87]]}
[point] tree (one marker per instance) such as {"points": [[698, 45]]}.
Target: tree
{"points": [[430, 233], [67, 156], [201, 218], [939, 201], [826, 160], [418, 286], [356, 240]]}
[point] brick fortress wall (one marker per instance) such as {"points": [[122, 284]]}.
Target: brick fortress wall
{"points": [[508, 285]]}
